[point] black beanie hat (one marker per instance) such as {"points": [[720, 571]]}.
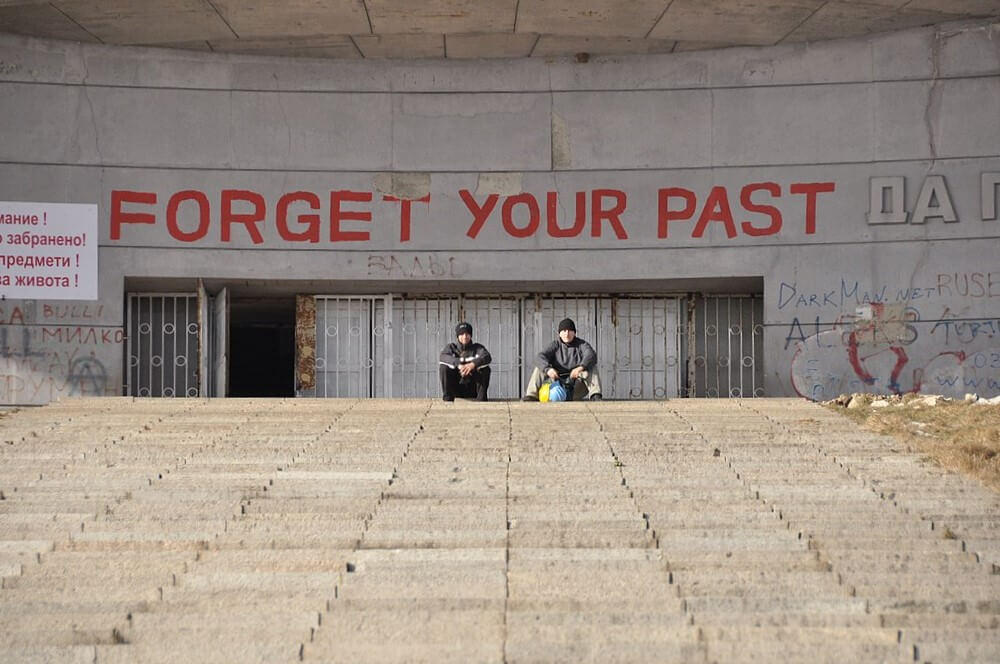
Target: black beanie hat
{"points": [[463, 327], [567, 324]]}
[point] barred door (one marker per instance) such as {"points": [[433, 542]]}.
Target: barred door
{"points": [[406, 365], [388, 346], [346, 329], [725, 338], [496, 323], [638, 343], [541, 320], [162, 345], [636, 339]]}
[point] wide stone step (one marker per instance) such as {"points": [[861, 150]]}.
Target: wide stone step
{"points": [[271, 560], [757, 583], [80, 654], [146, 624], [222, 651], [802, 644], [312, 583], [61, 629], [672, 647], [57, 580]]}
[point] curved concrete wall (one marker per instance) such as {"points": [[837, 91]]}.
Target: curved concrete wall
{"points": [[858, 178]]}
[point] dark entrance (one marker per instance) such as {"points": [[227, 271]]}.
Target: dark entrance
{"points": [[262, 347]]}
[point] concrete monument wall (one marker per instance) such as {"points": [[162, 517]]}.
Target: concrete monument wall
{"points": [[859, 179]]}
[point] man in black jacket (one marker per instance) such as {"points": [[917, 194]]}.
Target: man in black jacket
{"points": [[464, 368], [568, 358]]}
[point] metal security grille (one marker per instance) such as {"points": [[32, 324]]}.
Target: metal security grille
{"points": [[726, 334], [388, 346], [420, 328], [346, 329], [541, 320], [496, 322], [636, 340], [640, 337], [162, 345]]}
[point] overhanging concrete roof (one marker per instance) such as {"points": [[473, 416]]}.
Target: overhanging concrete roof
{"points": [[471, 28]]}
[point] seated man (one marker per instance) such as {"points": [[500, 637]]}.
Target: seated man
{"points": [[567, 358], [464, 369]]}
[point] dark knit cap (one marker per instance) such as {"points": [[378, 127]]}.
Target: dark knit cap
{"points": [[463, 327], [567, 324]]}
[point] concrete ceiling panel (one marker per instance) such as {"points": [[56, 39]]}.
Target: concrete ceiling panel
{"points": [[41, 20], [401, 46], [475, 28], [843, 19], [143, 22], [272, 18], [495, 45], [683, 46], [758, 22], [200, 45], [441, 16], [963, 7], [894, 4], [593, 18], [336, 46], [558, 46]]}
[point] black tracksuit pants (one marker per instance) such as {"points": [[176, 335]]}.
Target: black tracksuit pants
{"points": [[473, 386]]}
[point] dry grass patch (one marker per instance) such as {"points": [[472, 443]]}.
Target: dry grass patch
{"points": [[959, 435]]}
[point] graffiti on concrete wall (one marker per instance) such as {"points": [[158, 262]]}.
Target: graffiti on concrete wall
{"points": [[896, 340], [48, 352], [347, 217]]}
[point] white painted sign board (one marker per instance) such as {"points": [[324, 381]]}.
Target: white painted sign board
{"points": [[48, 251]]}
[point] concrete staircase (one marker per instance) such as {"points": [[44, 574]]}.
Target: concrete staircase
{"points": [[413, 530]]}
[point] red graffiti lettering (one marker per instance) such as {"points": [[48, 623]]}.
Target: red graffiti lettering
{"points": [[203, 219], [716, 209], [337, 215], [612, 216], [811, 190], [507, 215], [552, 216], [311, 221], [480, 213], [119, 217], [773, 212], [666, 215], [249, 219], [404, 213]]}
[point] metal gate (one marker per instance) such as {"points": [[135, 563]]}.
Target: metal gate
{"points": [[346, 333], [726, 333], [641, 336], [389, 345], [162, 345]]}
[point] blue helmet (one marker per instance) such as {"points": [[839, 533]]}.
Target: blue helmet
{"points": [[557, 392]]}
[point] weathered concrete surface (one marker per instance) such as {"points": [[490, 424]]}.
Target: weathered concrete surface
{"points": [[854, 183], [480, 28], [411, 530]]}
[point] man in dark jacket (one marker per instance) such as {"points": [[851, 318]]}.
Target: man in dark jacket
{"points": [[464, 368], [569, 358]]}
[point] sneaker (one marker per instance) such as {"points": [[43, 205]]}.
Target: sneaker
{"points": [[596, 397], [529, 397], [447, 398]]}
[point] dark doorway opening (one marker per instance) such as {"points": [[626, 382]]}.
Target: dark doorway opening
{"points": [[262, 347]]}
